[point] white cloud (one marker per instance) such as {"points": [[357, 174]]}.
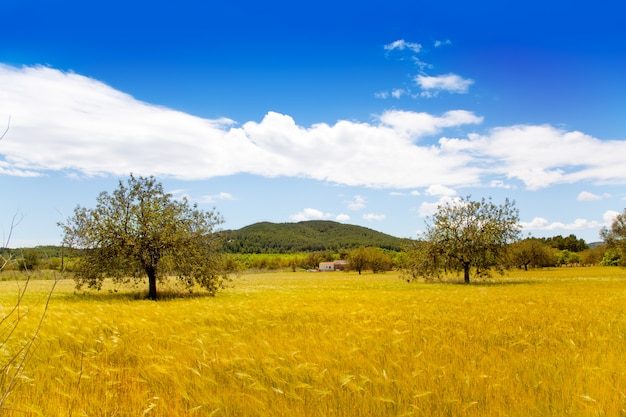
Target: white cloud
{"points": [[395, 93], [438, 43], [179, 193], [536, 223], [429, 208], [357, 203], [417, 125], [216, 197], [609, 217], [498, 184], [342, 217], [587, 196], [374, 217], [401, 45], [398, 92], [451, 83], [82, 127], [438, 189], [541, 156], [539, 223], [310, 214], [402, 194]]}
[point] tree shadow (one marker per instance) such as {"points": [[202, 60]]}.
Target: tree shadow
{"points": [[494, 283], [133, 295]]}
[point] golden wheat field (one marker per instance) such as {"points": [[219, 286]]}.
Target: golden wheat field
{"points": [[540, 343]]}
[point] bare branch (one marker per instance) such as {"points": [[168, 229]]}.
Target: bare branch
{"points": [[7, 129]]}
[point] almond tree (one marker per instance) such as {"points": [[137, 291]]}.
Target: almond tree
{"points": [[615, 237], [465, 234], [141, 231]]}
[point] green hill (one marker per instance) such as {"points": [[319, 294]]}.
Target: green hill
{"points": [[306, 236]]}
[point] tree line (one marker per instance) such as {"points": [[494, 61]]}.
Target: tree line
{"points": [[140, 231]]}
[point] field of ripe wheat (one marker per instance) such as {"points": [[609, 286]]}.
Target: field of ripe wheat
{"points": [[541, 343]]}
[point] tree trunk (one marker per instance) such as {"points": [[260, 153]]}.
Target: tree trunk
{"points": [[152, 288], [466, 272]]}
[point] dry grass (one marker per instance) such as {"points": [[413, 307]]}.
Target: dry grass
{"points": [[542, 343]]}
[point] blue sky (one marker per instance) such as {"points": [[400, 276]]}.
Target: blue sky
{"points": [[368, 113]]}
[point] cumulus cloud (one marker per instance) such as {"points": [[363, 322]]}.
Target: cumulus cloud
{"points": [[415, 125], [310, 214], [216, 197], [62, 121], [401, 45], [587, 196], [357, 203], [438, 189], [428, 208], [609, 217], [395, 93], [315, 214], [451, 83], [498, 184], [539, 223], [439, 43], [398, 92], [541, 156], [374, 217]]}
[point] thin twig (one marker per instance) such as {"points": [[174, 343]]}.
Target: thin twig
{"points": [[6, 130]]}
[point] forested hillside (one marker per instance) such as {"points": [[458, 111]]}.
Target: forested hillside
{"points": [[307, 236]]}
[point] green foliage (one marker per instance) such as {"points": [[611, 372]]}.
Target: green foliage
{"points": [[30, 261], [570, 243], [566, 258], [139, 231], [615, 238], [466, 234], [308, 236], [593, 255], [39, 257], [612, 257], [372, 258], [531, 252]]}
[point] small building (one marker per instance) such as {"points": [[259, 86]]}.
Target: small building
{"points": [[333, 266], [327, 266]]}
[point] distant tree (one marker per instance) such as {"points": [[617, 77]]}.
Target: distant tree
{"points": [[611, 257], [570, 243], [593, 256], [463, 234], [372, 258], [30, 261], [357, 259], [139, 230], [313, 259], [566, 257], [421, 259], [615, 237], [378, 260], [531, 252]]}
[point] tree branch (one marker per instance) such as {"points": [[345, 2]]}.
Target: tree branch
{"points": [[7, 129]]}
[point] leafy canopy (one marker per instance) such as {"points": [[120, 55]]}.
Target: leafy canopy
{"points": [[463, 234], [140, 231], [615, 238]]}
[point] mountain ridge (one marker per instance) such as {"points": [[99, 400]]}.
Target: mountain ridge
{"points": [[306, 236]]}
